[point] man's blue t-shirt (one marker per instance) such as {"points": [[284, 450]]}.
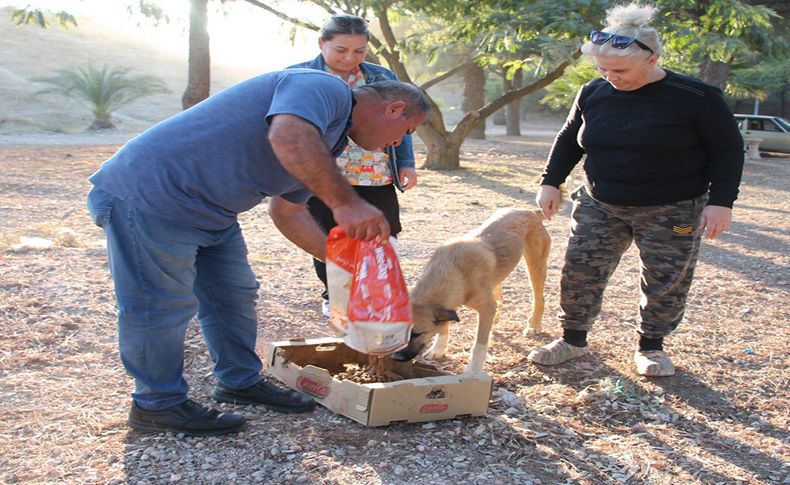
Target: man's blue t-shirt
{"points": [[207, 164]]}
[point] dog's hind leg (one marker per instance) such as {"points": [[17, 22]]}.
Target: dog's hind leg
{"points": [[536, 255], [486, 312], [500, 299]]}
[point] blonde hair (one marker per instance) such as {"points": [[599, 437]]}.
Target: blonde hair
{"points": [[631, 20]]}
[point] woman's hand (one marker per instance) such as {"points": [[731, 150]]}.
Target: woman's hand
{"points": [[715, 220], [408, 178], [548, 199]]}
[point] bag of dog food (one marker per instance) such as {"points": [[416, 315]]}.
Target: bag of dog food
{"points": [[369, 302], [341, 256]]}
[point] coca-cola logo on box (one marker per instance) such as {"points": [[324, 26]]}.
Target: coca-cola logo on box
{"points": [[314, 388], [434, 408]]}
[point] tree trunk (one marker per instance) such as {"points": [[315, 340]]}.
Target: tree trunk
{"points": [[714, 72], [474, 97], [444, 148], [437, 141], [500, 117], [513, 110], [199, 81], [444, 156]]}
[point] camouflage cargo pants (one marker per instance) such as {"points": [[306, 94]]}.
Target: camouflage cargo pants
{"points": [[668, 239]]}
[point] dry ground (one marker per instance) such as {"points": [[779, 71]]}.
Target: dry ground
{"points": [[722, 419]]}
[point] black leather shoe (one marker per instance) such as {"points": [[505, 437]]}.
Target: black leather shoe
{"points": [[266, 394], [188, 417]]}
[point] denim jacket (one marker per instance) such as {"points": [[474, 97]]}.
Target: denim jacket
{"points": [[401, 156]]}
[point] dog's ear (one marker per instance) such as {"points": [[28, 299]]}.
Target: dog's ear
{"points": [[444, 315]]}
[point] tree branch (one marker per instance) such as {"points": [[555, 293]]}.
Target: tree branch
{"points": [[445, 75], [391, 54], [507, 98], [287, 18], [376, 43], [473, 117], [325, 5]]}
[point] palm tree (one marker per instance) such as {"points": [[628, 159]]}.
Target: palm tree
{"points": [[105, 89]]}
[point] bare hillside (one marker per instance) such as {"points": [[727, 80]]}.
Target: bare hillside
{"points": [[29, 52]]}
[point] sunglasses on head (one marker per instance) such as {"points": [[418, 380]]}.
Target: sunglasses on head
{"points": [[618, 41]]}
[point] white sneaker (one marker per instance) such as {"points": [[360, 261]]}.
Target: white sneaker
{"points": [[653, 363], [555, 353], [325, 308]]}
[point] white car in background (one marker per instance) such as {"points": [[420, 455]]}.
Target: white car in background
{"points": [[773, 130]]}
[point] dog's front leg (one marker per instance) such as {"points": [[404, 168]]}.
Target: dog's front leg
{"points": [[439, 347], [485, 320]]}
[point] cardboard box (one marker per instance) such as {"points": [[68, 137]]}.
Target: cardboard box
{"points": [[428, 394]]}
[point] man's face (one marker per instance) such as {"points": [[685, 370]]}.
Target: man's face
{"points": [[385, 129]]}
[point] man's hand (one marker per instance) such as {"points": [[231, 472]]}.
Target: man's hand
{"points": [[715, 220], [295, 223], [408, 178], [362, 221], [301, 151], [548, 199]]}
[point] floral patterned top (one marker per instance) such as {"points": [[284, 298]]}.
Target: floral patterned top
{"points": [[360, 166]]}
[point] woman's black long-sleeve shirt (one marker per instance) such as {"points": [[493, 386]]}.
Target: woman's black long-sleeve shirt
{"points": [[670, 140]]}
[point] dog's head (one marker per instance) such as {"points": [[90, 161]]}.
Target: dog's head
{"points": [[427, 321]]}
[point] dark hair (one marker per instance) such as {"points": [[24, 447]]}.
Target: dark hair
{"points": [[416, 100], [343, 24]]}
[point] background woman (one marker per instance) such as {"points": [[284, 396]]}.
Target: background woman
{"points": [[374, 174]]}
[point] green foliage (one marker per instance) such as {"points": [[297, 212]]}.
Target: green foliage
{"points": [[730, 31], [428, 38], [768, 77], [538, 32], [562, 92], [148, 9], [36, 16], [494, 88], [104, 89]]}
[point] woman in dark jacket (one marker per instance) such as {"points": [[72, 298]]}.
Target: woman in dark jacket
{"points": [[374, 175]]}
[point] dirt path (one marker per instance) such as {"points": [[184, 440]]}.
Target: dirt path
{"points": [[722, 419]]}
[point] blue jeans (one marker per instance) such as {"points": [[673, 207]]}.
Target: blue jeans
{"points": [[164, 273]]}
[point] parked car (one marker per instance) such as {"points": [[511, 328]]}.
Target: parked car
{"points": [[773, 130]]}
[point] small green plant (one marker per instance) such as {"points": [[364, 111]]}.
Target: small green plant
{"points": [[615, 387], [104, 89]]}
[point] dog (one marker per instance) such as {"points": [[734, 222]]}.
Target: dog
{"points": [[468, 271]]}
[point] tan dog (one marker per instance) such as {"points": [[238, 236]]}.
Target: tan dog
{"points": [[468, 271]]}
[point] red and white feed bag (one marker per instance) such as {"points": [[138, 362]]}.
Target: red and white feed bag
{"points": [[368, 298]]}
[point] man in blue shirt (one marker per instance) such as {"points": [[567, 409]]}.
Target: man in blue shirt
{"points": [[168, 201]]}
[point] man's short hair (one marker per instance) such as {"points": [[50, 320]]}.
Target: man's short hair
{"points": [[416, 100]]}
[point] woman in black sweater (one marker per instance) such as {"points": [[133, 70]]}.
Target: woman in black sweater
{"points": [[663, 163]]}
